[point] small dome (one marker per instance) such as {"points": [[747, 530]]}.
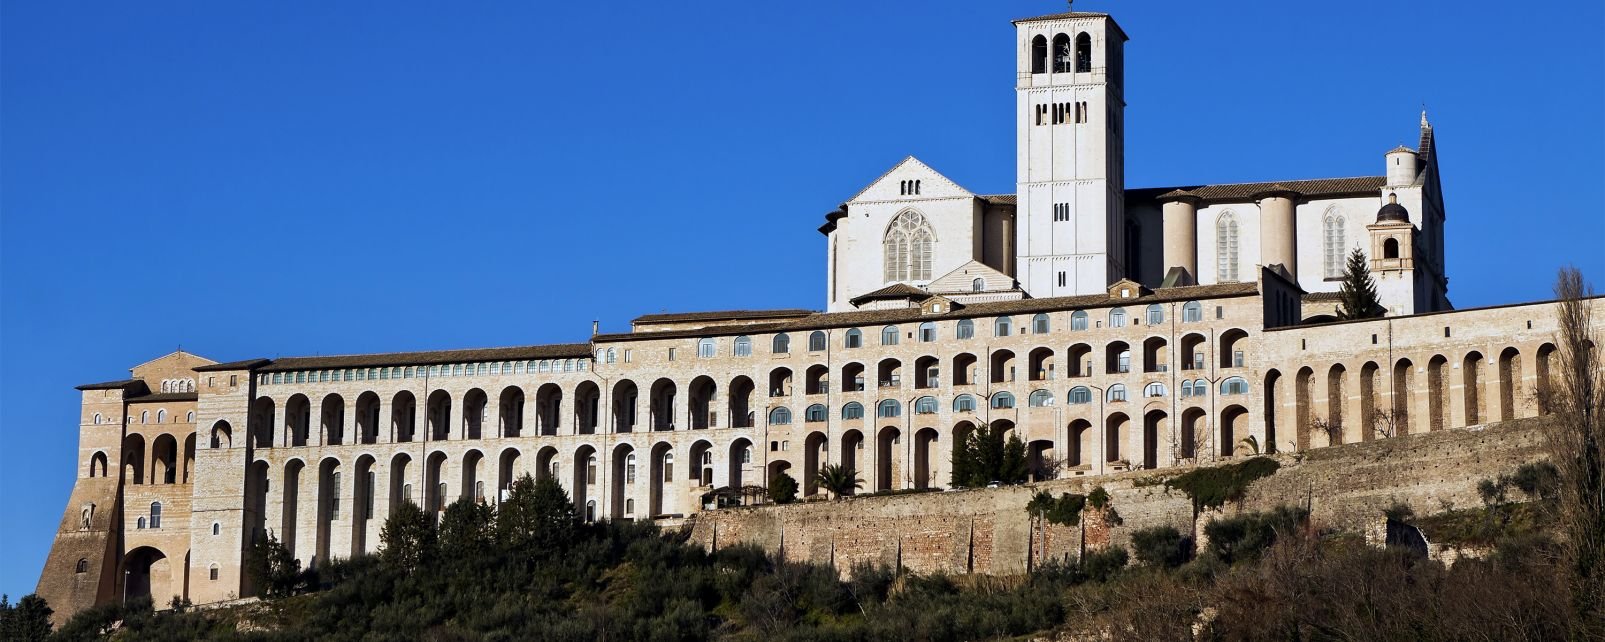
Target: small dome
{"points": [[1393, 211]]}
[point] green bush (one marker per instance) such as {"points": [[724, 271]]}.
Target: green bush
{"points": [[1161, 546], [1214, 486], [1101, 566], [1246, 536]]}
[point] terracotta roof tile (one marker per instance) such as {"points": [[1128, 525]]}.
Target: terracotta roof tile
{"points": [[893, 291], [112, 385], [245, 364], [519, 353], [720, 315], [165, 396], [1313, 188]]}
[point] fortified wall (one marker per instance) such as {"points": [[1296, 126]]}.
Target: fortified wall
{"points": [[988, 530]]}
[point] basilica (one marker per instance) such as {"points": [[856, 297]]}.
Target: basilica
{"points": [[1110, 328]]}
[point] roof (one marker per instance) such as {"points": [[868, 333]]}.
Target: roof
{"points": [[111, 385], [1068, 15], [1323, 296], [1000, 199], [720, 315], [1309, 188], [554, 351], [893, 291], [824, 320], [246, 364], [166, 396]]}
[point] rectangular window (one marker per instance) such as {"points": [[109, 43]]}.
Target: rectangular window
{"points": [[671, 354], [367, 509], [627, 355], [1061, 284], [233, 380]]}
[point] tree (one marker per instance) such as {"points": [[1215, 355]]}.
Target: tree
{"points": [[1575, 439], [537, 519], [985, 457], [838, 479], [782, 488], [1358, 295], [28, 620], [408, 537], [275, 571], [467, 529]]}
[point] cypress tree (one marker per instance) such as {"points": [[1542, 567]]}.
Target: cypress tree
{"points": [[1358, 298]]}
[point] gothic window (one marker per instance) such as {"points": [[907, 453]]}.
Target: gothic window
{"points": [[907, 246], [1039, 55], [1061, 54], [1226, 248], [1332, 243], [1083, 53]]}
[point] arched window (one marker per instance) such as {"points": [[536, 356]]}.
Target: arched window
{"points": [[1156, 314], [815, 412], [668, 464], [1155, 389], [1078, 320], [964, 403], [907, 247], [1003, 400], [629, 468], [781, 344], [1061, 54], [83, 566], [780, 417], [816, 341], [1201, 388], [217, 528], [853, 410], [590, 511], [1234, 386], [1117, 318], [189, 417], [155, 514], [612, 355], [1040, 399], [1332, 242], [1002, 327], [889, 408], [743, 347], [1192, 312], [144, 416], [1117, 392], [1040, 324], [1080, 394], [966, 329], [855, 338], [1390, 248], [978, 285], [889, 335], [1083, 53], [705, 348], [1226, 248], [140, 524], [161, 416], [927, 332], [1039, 55], [98, 419], [211, 572], [926, 406], [629, 507]]}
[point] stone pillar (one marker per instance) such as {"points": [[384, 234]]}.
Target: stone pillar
{"points": [[1278, 229], [1180, 212]]}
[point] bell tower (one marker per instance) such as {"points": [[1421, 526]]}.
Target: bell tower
{"points": [[1070, 114]]}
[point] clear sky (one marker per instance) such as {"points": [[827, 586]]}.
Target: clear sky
{"points": [[293, 178]]}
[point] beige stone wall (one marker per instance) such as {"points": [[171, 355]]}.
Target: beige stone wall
{"points": [[988, 531]]}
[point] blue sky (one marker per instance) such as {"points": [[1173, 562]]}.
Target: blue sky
{"points": [[266, 179]]}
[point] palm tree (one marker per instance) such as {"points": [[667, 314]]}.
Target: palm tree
{"points": [[839, 480]]}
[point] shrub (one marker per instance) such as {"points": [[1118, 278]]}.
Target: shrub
{"points": [[1101, 566], [1213, 487], [1246, 536], [1161, 546]]}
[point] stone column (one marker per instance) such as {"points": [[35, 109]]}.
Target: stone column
{"points": [[1180, 215], [1278, 229]]}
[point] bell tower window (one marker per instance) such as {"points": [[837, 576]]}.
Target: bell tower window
{"points": [[1083, 53]]}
